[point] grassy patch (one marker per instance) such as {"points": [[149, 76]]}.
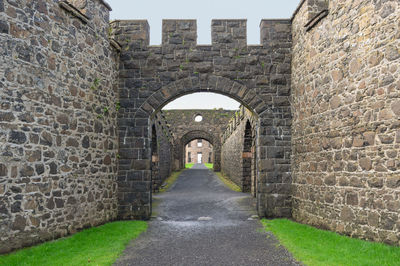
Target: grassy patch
{"points": [[170, 180], [100, 245], [318, 247], [228, 182], [209, 165]]}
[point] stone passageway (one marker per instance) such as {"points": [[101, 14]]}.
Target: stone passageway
{"points": [[199, 221]]}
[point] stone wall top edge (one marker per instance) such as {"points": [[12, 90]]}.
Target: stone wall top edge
{"points": [[129, 20], [107, 5], [297, 9], [276, 20], [229, 19], [171, 19]]}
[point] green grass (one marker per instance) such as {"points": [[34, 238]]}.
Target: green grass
{"points": [[209, 165], [318, 247], [228, 182], [100, 245], [189, 165], [170, 180]]}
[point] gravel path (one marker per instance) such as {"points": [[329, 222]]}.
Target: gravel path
{"points": [[199, 221]]}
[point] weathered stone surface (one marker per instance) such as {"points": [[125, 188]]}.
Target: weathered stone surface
{"points": [[46, 107], [325, 131], [393, 182], [366, 164], [7, 117], [19, 223], [348, 120], [3, 170], [238, 151], [17, 137], [80, 4], [72, 142], [396, 107]]}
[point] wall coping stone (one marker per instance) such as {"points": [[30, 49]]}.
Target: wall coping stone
{"points": [[74, 11], [116, 45], [314, 21]]}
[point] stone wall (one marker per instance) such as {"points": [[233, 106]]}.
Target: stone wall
{"points": [[211, 127], [163, 152], [346, 128], [236, 152], [258, 76], [77, 110], [58, 130]]}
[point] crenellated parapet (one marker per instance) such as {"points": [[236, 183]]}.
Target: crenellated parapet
{"points": [[182, 33], [229, 33], [179, 33], [131, 34]]}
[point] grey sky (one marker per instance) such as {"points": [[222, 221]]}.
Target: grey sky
{"points": [[203, 100], [204, 11]]}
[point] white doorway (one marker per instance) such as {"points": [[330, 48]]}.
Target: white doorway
{"points": [[199, 157]]}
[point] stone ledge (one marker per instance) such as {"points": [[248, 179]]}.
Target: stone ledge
{"points": [[116, 45], [74, 11], [314, 21]]}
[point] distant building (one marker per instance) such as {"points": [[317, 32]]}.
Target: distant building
{"points": [[199, 151]]}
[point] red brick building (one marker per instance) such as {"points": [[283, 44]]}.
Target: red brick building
{"points": [[199, 151]]}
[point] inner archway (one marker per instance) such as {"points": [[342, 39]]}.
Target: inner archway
{"points": [[202, 135], [198, 151], [154, 76], [267, 117]]}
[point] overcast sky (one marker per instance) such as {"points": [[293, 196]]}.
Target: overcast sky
{"points": [[203, 11]]}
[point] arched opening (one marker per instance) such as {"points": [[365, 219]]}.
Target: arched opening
{"points": [[198, 151], [247, 157], [200, 144], [270, 123]]}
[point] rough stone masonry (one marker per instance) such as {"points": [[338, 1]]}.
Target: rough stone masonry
{"points": [[79, 98]]}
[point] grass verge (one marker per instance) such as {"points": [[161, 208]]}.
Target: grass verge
{"points": [[228, 182], [170, 180], [318, 247], [100, 245], [209, 165]]}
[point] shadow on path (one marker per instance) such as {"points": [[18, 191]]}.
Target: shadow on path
{"points": [[199, 221]]}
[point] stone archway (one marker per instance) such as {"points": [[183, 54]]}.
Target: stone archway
{"points": [[197, 134], [273, 196], [255, 76]]}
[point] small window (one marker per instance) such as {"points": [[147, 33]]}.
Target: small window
{"points": [[198, 118], [189, 157], [199, 143]]}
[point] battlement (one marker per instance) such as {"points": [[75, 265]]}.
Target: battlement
{"points": [[225, 33]]}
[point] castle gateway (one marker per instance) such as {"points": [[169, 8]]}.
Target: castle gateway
{"points": [[84, 141]]}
